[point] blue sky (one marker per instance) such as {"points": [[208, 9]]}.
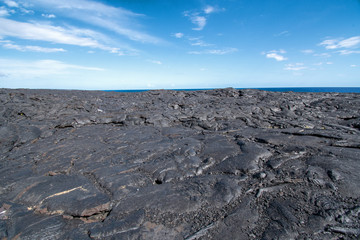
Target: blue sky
{"points": [[177, 44]]}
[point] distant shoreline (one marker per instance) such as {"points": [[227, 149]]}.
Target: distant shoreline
{"points": [[281, 89]]}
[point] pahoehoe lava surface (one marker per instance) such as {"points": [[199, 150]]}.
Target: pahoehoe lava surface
{"points": [[217, 164]]}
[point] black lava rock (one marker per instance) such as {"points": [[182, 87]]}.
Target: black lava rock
{"points": [[217, 164]]}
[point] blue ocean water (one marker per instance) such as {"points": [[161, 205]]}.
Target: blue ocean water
{"points": [[296, 89]]}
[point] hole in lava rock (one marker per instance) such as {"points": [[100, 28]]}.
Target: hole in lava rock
{"points": [[158, 181]]}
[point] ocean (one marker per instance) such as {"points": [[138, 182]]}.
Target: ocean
{"points": [[287, 89]]}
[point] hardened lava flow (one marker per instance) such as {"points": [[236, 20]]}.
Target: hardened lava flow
{"points": [[215, 164]]}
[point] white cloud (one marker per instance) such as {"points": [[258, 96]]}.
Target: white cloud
{"points": [[295, 67], [118, 20], [11, 3], [54, 64], [22, 69], [353, 65], [48, 15], [215, 51], [33, 31], [197, 41], [4, 12], [54, 34], [198, 18], [178, 35], [200, 21], [201, 43], [26, 11], [329, 44], [322, 63], [209, 9], [155, 61], [32, 48], [336, 43], [275, 54], [323, 55], [283, 33], [308, 51], [222, 51], [350, 42], [347, 52], [19, 5]]}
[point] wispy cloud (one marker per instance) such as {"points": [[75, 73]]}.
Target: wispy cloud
{"points": [[322, 55], [212, 9], [209, 9], [32, 48], [197, 41], [350, 42], [347, 52], [4, 12], [11, 3], [199, 21], [155, 61], [48, 67], [337, 43], [330, 44], [199, 18], [33, 31], [116, 19], [215, 51], [63, 66], [19, 6], [178, 35], [276, 54], [283, 33], [48, 15], [53, 34], [207, 48], [308, 51], [321, 63], [295, 67]]}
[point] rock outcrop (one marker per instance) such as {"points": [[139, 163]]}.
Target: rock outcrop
{"points": [[217, 164]]}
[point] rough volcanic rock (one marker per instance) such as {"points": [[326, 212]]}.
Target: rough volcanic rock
{"points": [[217, 164]]}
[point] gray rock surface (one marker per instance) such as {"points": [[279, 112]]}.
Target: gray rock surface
{"points": [[217, 164]]}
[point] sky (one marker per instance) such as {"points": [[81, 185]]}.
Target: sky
{"points": [[179, 44]]}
